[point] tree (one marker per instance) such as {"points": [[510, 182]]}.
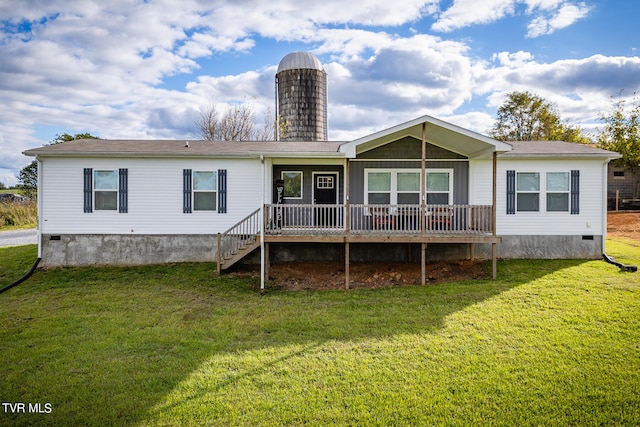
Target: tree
{"points": [[621, 131], [28, 176], [237, 123], [527, 117]]}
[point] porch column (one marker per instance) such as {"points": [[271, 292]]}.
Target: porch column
{"points": [[423, 206], [423, 181], [347, 224]]}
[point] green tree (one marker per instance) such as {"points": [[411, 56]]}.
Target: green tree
{"points": [[28, 176], [527, 117], [621, 131]]}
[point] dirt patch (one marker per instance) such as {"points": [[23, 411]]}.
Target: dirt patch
{"points": [[330, 275], [624, 224]]}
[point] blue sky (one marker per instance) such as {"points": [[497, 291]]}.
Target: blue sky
{"points": [[145, 69]]}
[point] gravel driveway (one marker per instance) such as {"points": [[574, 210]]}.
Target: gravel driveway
{"points": [[19, 237]]}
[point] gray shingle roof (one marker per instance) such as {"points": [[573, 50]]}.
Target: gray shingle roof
{"points": [[180, 148], [555, 149]]}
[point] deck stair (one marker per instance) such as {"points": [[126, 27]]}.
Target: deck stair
{"points": [[238, 241]]}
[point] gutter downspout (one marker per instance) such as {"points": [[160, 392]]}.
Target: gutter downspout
{"points": [[39, 216], [262, 252], [604, 206]]}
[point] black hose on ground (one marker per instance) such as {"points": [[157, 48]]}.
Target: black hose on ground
{"points": [[23, 278], [623, 267]]}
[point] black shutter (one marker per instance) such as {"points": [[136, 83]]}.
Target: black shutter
{"points": [[123, 190], [186, 190], [222, 191], [88, 190], [575, 192], [511, 192]]}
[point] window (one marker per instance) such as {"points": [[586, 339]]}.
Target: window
{"points": [[558, 192], [528, 191], [562, 192], [204, 191], [205, 186], [439, 187], [106, 190], [408, 187], [325, 183], [402, 186], [292, 184], [378, 187]]}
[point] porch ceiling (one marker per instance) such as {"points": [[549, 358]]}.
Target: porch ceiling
{"points": [[446, 135]]}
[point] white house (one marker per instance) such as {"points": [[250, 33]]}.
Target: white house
{"points": [[423, 189]]}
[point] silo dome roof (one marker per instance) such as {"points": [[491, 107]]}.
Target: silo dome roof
{"points": [[298, 60]]}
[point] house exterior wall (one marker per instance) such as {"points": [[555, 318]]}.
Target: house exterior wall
{"points": [[307, 180], [155, 196], [543, 234], [155, 229], [460, 175]]}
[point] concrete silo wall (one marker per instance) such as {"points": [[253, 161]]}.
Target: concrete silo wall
{"points": [[302, 99]]}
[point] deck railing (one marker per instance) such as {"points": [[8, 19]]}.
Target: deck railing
{"points": [[313, 219], [239, 235]]}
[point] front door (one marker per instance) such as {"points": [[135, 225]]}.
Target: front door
{"points": [[325, 192]]}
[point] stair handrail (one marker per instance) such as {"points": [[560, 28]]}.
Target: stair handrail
{"points": [[238, 235]]}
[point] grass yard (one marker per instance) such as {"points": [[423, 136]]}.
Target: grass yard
{"points": [[551, 343]]}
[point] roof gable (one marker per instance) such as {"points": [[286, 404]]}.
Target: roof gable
{"points": [[442, 134]]}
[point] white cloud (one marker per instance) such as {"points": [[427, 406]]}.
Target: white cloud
{"points": [[548, 15], [463, 13], [513, 60], [562, 18]]}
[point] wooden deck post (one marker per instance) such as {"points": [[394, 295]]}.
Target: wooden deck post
{"points": [[423, 264], [267, 261], [346, 264], [494, 261], [347, 224], [219, 256]]}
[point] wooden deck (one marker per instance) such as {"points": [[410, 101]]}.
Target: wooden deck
{"points": [[359, 223]]}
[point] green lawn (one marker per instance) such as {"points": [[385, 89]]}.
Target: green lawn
{"points": [[549, 343]]}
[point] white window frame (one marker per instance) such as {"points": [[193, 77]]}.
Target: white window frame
{"points": [[195, 191], [566, 192], [106, 190], [282, 176], [538, 192], [393, 199], [449, 192]]}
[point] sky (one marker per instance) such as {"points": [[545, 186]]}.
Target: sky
{"points": [[146, 69]]}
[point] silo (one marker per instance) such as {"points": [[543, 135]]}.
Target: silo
{"points": [[301, 97]]}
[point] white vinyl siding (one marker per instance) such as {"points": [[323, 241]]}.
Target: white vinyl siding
{"points": [[589, 221], [155, 196]]}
